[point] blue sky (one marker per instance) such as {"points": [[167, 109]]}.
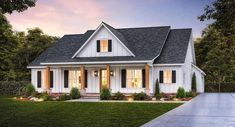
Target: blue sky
{"points": [[59, 17]]}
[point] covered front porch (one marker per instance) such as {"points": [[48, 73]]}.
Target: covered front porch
{"points": [[125, 78]]}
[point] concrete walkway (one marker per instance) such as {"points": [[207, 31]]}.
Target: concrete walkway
{"points": [[206, 110]]}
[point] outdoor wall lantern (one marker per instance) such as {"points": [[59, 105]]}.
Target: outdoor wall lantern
{"points": [[112, 73], [95, 73]]}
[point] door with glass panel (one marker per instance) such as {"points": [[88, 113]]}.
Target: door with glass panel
{"points": [[75, 79], [103, 78]]}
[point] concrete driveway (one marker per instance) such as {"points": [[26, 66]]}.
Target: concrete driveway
{"points": [[206, 110]]}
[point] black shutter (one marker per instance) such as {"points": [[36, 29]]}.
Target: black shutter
{"points": [[85, 78], [98, 45], [39, 79], [110, 46], [173, 76], [123, 78], [143, 78], [161, 76], [51, 79], [66, 78]]}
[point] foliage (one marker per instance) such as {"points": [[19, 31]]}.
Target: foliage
{"points": [[140, 96], [194, 83], [180, 93], [8, 6], [74, 93], [215, 50], [28, 90], [12, 87], [118, 96], [157, 88], [159, 96], [64, 97], [105, 93], [46, 97], [190, 94]]}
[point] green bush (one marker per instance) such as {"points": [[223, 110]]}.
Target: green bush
{"points": [[180, 93], [12, 87], [140, 96], [194, 83], [74, 93], [64, 97], [105, 94], [159, 96], [46, 97], [118, 96], [190, 94], [28, 90], [157, 89]]}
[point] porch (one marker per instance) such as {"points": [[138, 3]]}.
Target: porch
{"points": [[90, 79]]}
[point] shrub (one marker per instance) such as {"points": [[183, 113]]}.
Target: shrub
{"points": [[159, 96], [12, 87], [118, 96], [74, 93], [46, 97], [105, 94], [140, 96], [194, 83], [28, 90], [157, 89], [180, 93], [64, 97], [190, 94]]}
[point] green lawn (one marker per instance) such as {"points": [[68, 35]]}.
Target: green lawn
{"points": [[77, 114]]}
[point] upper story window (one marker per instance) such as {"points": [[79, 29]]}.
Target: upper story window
{"points": [[167, 76], [104, 45]]}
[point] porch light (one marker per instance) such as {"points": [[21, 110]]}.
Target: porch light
{"points": [[95, 73], [112, 73]]}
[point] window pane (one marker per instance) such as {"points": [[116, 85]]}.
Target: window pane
{"points": [[103, 45], [104, 77], [134, 78], [167, 76], [74, 78]]}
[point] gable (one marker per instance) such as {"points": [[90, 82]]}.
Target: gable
{"points": [[89, 50]]}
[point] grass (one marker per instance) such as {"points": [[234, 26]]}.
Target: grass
{"points": [[76, 114]]}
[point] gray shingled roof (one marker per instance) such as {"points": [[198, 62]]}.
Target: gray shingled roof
{"points": [[145, 43], [175, 48]]}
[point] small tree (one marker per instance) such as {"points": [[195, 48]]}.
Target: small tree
{"points": [[157, 88], [74, 93], [180, 93], [194, 83], [105, 93]]}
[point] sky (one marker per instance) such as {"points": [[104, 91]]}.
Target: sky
{"points": [[60, 17]]}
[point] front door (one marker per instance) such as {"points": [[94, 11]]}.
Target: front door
{"points": [[103, 78]]}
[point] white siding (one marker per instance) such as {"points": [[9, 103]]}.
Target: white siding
{"points": [[199, 80], [168, 88], [90, 49]]}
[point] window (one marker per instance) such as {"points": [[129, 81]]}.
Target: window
{"points": [[104, 45], [39, 79], [75, 78], [167, 76], [134, 78], [104, 78]]}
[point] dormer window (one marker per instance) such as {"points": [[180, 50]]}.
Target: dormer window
{"points": [[104, 45]]}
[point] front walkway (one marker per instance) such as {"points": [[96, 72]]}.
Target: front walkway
{"points": [[206, 110]]}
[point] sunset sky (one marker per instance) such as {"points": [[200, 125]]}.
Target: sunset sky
{"points": [[59, 17]]}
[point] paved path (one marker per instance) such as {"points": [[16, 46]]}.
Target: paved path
{"points": [[206, 110]]}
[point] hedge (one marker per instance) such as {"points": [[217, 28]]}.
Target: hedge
{"points": [[12, 87], [224, 87]]}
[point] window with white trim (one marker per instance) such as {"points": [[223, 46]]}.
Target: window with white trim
{"points": [[134, 78]]}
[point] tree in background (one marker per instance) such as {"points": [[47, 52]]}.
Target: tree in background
{"points": [[215, 50], [8, 6], [194, 83]]}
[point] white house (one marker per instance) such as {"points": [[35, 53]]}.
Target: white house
{"points": [[128, 60]]}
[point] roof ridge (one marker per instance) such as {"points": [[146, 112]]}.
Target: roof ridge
{"points": [[144, 27]]}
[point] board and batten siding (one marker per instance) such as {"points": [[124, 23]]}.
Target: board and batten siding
{"points": [[168, 87], [90, 49]]}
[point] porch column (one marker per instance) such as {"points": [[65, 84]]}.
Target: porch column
{"points": [[82, 69], [47, 79], [147, 76], [108, 76]]}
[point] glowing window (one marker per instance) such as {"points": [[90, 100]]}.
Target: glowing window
{"points": [[103, 45], [167, 78], [134, 78], [74, 78]]}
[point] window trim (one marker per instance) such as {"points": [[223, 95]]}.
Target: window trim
{"points": [[141, 80], [171, 78], [100, 45]]}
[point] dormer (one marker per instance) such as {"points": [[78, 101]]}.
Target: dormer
{"points": [[103, 43]]}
